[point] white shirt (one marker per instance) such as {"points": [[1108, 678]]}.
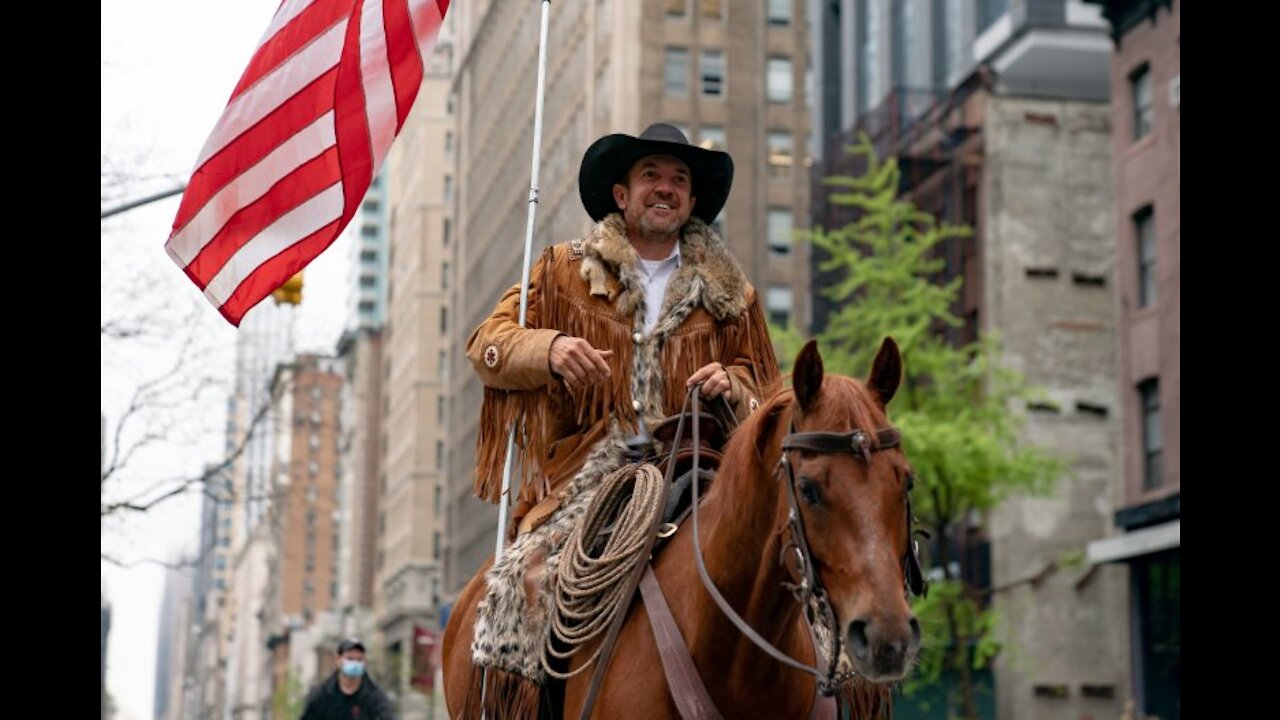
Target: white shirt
{"points": [[657, 273]]}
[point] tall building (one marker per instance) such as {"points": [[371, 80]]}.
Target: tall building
{"points": [[360, 461], [996, 113], [369, 258], [303, 528], [211, 584], [360, 353], [174, 687], [1146, 118], [730, 75], [415, 381], [106, 630], [264, 341]]}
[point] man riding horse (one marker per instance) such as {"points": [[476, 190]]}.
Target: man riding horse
{"points": [[620, 323]]}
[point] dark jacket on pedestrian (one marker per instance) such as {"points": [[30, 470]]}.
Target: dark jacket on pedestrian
{"points": [[327, 702]]}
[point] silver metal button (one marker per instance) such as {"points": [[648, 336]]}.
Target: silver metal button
{"points": [[638, 338]]}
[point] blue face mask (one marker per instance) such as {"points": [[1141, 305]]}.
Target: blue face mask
{"points": [[352, 668]]}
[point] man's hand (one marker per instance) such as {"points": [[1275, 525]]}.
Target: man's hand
{"points": [[578, 363], [714, 379]]}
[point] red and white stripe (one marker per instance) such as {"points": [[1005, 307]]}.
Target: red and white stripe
{"points": [[305, 131]]}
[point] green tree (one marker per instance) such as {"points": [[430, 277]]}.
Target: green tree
{"points": [[958, 408], [290, 697]]}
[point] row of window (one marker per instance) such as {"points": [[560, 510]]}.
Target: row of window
{"points": [[778, 12], [778, 144], [712, 71]]}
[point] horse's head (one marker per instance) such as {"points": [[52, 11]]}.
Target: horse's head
{"points": [[849, 480]]}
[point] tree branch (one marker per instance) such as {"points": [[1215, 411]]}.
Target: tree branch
{"points": [[185, 484]]}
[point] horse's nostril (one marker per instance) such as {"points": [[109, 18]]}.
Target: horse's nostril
{"points": [[858, 644], [915, 633]]}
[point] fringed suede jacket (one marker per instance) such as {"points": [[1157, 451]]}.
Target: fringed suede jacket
{"points": [[593, 288]]}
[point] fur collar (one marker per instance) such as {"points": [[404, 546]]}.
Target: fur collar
{"points": [[611, 267]]}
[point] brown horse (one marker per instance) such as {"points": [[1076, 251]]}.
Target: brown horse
{"points": [[854, 512]]}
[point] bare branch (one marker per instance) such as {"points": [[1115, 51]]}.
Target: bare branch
{"points": [[184, 565], [185, 484]]}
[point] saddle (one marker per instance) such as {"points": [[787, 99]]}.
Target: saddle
{"points": [[713, 431]]}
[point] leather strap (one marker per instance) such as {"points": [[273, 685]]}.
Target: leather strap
{"points": [[687, 688], [606, 650]]}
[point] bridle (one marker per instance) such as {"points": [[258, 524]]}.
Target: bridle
{"points": [[808, 591]]}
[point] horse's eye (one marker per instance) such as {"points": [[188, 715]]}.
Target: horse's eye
{"points": [[911, 481], [809, 491]]}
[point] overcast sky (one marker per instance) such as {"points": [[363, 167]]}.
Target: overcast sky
{"points": [[168, 68]]}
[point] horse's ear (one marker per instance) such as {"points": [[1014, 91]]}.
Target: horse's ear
{"points": [[806, 379], [886, 372]]}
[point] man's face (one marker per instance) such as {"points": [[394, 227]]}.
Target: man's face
{"points": [[656, 198], [351, 663]]}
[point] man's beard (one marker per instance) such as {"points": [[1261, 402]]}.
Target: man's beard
{"points": [[649, 226]]}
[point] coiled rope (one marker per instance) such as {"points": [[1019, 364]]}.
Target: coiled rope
{"points": [[588, 589]]}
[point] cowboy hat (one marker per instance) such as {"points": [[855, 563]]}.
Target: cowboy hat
{"points": [[610, 158]]}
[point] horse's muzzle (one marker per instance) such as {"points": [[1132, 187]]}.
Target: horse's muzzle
{"points": [[882, 649]]}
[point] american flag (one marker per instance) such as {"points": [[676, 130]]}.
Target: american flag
{"points": [[306, 129]]}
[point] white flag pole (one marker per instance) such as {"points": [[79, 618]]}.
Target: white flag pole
{"points": [[505, 500]]}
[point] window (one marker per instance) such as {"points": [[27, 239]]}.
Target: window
{"points": [[779, 152], [988, 12], [867, 23], [677, 9], [779, 12], [448, 188], [444, 320], [1145, 232], [712, 137], [603, 19], [444, 275], [712, 9], [1152, 444], [448, 229], [439, 454], [435, 545], [779, 228], [368, 256], [778, 80], [1140, 85], [778, 304], [902, 27], [448, 145], [712, 67], [370, 205], [439, 499], [367, 281], [440, 409], [676, 71], [718, 224], [1157, 580], [369, 231]]}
